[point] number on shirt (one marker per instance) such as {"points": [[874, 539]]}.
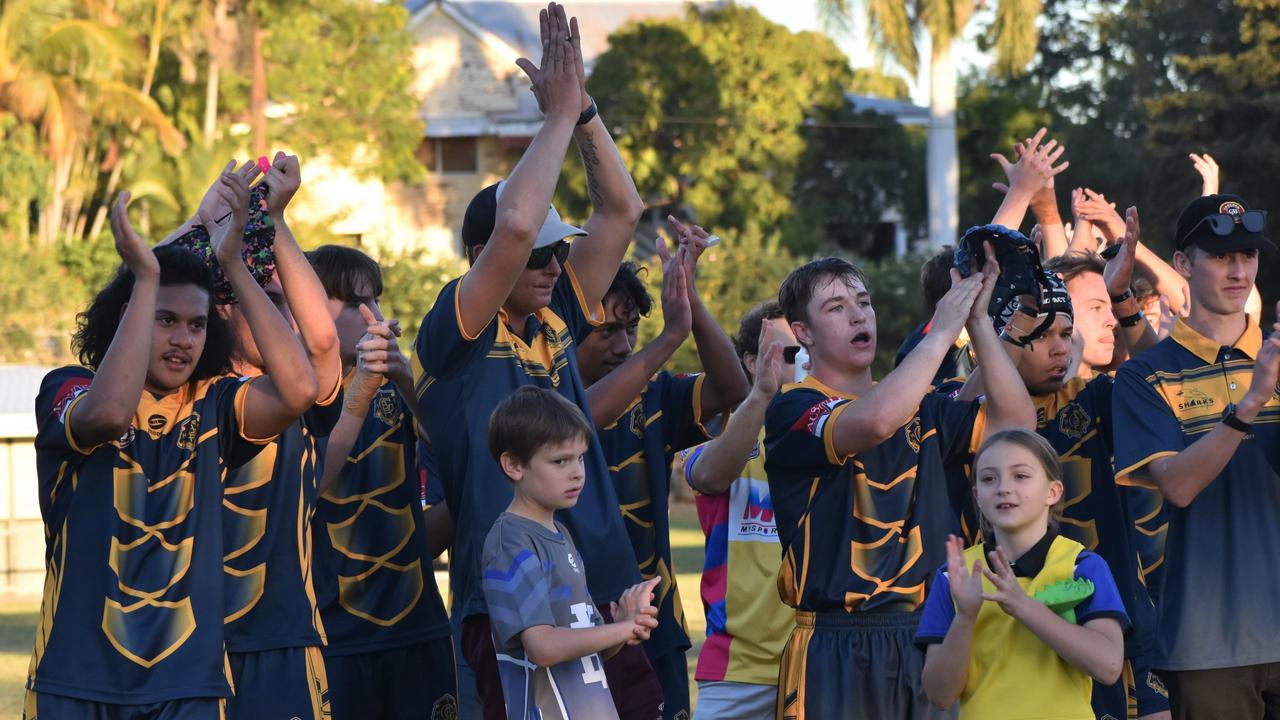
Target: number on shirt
{"points": [[592, 670]]}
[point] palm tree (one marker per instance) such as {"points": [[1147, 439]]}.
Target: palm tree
{"points": [[896, 28]]}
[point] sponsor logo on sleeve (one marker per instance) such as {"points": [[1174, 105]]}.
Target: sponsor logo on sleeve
{"points": [[814, 420], [67, 394]]}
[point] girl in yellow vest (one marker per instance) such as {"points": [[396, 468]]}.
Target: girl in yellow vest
{"points": [[1020, 626]]}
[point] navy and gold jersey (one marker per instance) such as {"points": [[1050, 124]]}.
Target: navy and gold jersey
{"points": [[1215, 565], [266, 525], [132, 609], [862, 532], [639, 447], [463, 379], [1150, 526], [373, 576]]}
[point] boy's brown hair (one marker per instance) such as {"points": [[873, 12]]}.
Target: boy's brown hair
{"points": [[532, 418]]}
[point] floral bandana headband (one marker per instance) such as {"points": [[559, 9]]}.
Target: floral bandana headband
{"points": [[258, 250]]}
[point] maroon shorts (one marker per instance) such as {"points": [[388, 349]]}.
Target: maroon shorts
{"points": [[636, 691]]}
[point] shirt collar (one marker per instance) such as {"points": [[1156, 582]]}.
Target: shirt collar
{"points": [[1032, 561], [1249, 343], [825, 389], [531, 326]]}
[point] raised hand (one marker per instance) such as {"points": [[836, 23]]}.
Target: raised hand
{"points": [[768, 361], [1266, 373], [1008, 593], [1094, 207], [1208, 169], [556, 84], [1035, 168], [677, 313], [966, 585], [284, 178], [227, 238], [990, 276], [694, 240], [576, 38], [952, 313], [132, 249], [1119, 271], [372, 360]]}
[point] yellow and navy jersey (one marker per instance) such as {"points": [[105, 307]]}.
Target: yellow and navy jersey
{"points": [[1165, 399], [463, 379], [268, 504], [132, 609], [372, 572], [862, 532], [639, 447]]}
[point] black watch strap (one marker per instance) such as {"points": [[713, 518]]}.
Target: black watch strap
{"points": [[589, 113], [1131, 320], [1117, 299], [1236, 423]]}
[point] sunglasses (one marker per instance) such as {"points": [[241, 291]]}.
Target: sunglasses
{"points": [[789, 354], [541, 257], [1223, 224]]}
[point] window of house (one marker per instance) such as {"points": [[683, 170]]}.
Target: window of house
{"points": [[450, 156]]}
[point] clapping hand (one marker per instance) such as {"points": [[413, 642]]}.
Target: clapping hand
{"points": [[132, 249]]}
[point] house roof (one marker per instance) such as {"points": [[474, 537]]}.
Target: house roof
{"points": [[515, 22], [18, 387], [904, 112]]}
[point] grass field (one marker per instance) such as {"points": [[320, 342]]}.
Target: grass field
{"points": [[18, 618]]}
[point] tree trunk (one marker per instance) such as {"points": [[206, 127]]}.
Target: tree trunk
{"points": [[942, 165], [215, 72], [258, 88]]}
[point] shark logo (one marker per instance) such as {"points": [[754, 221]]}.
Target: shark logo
{"points": [[1193, 399]]}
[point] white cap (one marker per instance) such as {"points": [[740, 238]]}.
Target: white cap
{"points": [[553, 229]]}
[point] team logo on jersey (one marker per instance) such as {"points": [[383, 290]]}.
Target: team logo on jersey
{"points": [[384, 407], [1193, 399], [913, 434], [815, 419], [446, 708], [1155, 683], [156, 422], [1074, 421], [573, 563], [126, 439], [638, 420], [759, 506], [189, 432]]}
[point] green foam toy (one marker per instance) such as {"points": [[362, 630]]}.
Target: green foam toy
{"points": [[1063, 596]]}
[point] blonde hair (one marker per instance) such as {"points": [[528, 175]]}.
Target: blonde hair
{"points": [[1044, 454]]}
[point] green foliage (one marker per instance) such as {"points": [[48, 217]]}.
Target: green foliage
{"points": [[411, 283]]}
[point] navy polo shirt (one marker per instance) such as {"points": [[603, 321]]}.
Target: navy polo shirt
{"points": [[1217, 605]]}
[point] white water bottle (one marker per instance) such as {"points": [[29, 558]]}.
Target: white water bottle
{"points": [[802, 364]]}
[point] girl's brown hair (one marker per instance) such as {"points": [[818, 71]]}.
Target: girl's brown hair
{"points": [[1044, 454]]}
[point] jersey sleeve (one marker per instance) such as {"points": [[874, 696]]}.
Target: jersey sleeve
{"points": [[432, 485], [236, 447], [443, 348], [682, 407], [1144, 427], [938, 612], [800, 431], [685, 460], [570, 306], [324, 415], [59, 393], [516, 587], [959, 423], [1105, 601]]}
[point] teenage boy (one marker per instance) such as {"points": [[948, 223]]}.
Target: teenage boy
{"points": [[747, 624], [390, 651], [274, 631], [857, 476], [546, 628], [1198, 416], [664, 414], [131, 452], [515, 319]]}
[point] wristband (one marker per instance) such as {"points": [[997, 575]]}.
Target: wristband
{"points": [[588, 114], [1236, 423], [1130, 320], [1117, 299]]}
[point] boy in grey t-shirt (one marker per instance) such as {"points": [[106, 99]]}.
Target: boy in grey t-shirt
{"points": [[547, 631]]}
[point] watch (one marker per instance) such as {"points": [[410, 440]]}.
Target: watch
{"points": [[589, 113], [1236, 423], [1117, 299], [1130, 320]]}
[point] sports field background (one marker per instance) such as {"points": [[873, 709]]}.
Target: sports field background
{"points": [[18, 615]]}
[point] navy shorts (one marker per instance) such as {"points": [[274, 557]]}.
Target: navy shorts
{"points": [[854, 667], [43, 706], [414, 682], [286, 683], [673, 673]]}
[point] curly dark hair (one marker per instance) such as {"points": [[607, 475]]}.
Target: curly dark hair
{"points": [[96, 326], [628, 287]]}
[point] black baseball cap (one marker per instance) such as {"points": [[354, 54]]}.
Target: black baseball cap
{"points": [[1192, 229], [482, 211]]}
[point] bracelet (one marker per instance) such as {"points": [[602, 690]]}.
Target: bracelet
{"points": [[1131, 320], [1117, 299], [1236, 423], [588, 114]]}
